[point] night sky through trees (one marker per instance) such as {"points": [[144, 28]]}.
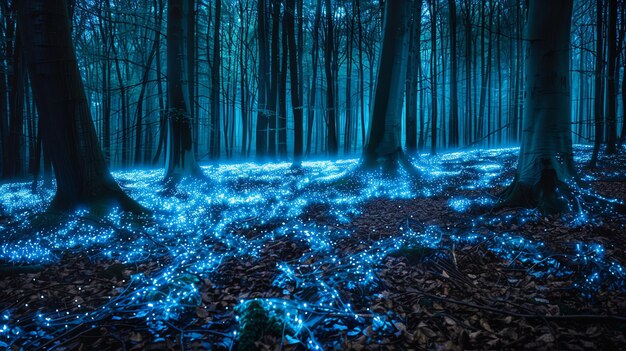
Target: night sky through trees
{"points": [[312, 174]]}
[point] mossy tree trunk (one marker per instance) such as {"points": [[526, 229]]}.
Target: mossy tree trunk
{"points": [[546, 157]]}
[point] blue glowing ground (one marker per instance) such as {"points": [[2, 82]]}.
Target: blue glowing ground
{"points": [[332, 257]]}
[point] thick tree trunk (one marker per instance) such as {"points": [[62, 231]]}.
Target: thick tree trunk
{"points": [[546, 157], [383, 139], [180, 160], [68, 133]]}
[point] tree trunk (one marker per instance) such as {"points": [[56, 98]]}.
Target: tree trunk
{"points": [[546, 157], [139, 113], [180, 160], [330, 83], [275, 72], [282, 94], [313, 88], [454, 104], [215, 136], [295, 84], [13, 165], [68, 133], [383, 139], [598, 87], [611, 116], [412, 76], [433, 77], [264, 81]]}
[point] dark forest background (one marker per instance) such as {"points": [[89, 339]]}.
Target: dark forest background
{"points": [[464, 81]]}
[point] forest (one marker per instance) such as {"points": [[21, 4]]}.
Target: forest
{"points": [[312, 174]]}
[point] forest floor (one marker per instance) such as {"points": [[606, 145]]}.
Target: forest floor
{"points": [[262, 257]]}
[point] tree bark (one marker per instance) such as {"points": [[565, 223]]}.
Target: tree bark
{"points": [[68, 133], [215, 136], [295, 84], [454, 104], [433, 77], [383, 139], [598, 102], [611, 115], [180, 160], [331, 112], [546, 157], [313, 89]]}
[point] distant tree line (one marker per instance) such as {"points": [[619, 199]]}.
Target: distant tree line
{"points": [[290, 79]]}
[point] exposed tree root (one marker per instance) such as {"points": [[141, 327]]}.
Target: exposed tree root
{"points": [[553, 196], [99, 202]]}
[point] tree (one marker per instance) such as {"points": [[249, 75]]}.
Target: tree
{"points": [[180, 160], [611, 116], [68, 133], [313, 88], [433, 76], [264, 81], [413, 78], [598, 105], [331, 112], [454, 104], [383, 139], [546, 160], [215, 140], [295, 83]]}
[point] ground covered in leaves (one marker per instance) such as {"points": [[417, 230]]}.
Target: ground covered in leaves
{"points": [[267, 257]]}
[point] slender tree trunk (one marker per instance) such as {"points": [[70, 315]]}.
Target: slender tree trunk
{"points": [[347, 140], [140, 99], [13, 164], [282, 94], [433, 77], [611, 116], [454, 104], [361, 72], [330, 83], [295, 83], [598, 87], [275, 72], [313, 88], [468, 73], [264, 81], [4, 125], [413, 77], [215, 138]]}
